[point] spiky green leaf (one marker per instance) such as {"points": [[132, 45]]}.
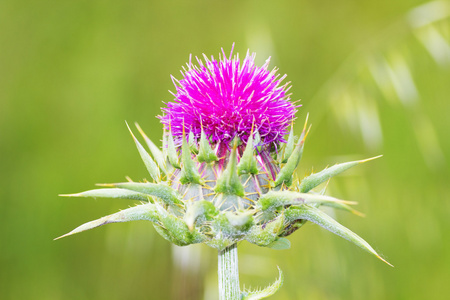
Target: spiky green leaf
{"points": [[313, 180], [343, 206], [172, 152], [322, 219], [230, 225], [156, 152], [205, 152], [141, 212], [189, 172], [115, 193], [247, 164], [177, 228], [266, 292], [192, 143], [151, 166], [229, 182], [257, 142], [160, 190], [274, 199], [199, 211], [289, 146], [166, 235], [287, 171], [265, 234]]}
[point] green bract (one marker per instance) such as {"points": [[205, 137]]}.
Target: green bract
{"points": [[219, 196]]}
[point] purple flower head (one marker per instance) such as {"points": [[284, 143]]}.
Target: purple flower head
{"points": [[227, 99]]}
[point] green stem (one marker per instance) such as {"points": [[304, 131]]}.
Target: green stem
{"points": [[229, 274]]}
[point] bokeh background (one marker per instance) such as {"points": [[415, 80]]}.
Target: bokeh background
{"points": [[374, 76]]}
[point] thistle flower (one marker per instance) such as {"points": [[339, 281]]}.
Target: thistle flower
{"points": [[225, 172], [225, 99]]}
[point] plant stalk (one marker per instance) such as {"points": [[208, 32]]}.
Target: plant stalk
{"points": [[229, 274]]}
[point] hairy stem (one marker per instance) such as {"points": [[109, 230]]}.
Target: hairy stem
{"points": [[229, 274]]}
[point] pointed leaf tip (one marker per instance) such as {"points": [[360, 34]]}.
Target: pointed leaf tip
{"points": [[273, 199], [266, 292], [115, 193], [192, 143], [315, 179], [172, 152], [247, 164], [189, 172], [156, 152], [162, 191], [289, 146], [344, 206], [369, 159], [205, 152], [140, 212], [177, 229], [322, 219], [229, 182], [286, 173], [148, 161]]}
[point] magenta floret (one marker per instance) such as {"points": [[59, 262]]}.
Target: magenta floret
{"points": [[228, 98]]}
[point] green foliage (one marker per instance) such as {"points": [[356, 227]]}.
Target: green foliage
{"points": [[225, 220], [218, 225], [152, 168], [313, 180], [266, 292], [189, 171], [205, 152], [73, 71], [162, 191], [247, 164], [229, 182]]}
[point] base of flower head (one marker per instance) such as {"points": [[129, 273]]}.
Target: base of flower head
{"points": [[201, 195]]}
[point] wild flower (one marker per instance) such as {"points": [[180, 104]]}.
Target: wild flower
{"points": [[225, 172]]}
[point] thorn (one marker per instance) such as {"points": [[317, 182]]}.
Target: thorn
{"points": [[60, 237], [388, 263], [306, 121], [307, 132], [369, 159], [69, 195], [358, 213], [151, 166]]}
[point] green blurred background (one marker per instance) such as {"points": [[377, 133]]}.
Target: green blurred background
{"points": [[374, 76]]}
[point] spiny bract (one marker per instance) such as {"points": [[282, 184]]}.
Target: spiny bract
{"points": [[225, 172]]}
